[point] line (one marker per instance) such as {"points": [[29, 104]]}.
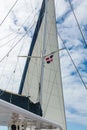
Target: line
{"points": [[8, 12]]}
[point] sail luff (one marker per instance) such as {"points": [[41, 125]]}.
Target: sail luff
{"points": [[43, 54], [41, 15]]}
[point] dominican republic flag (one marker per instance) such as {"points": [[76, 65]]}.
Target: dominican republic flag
{"points": [[49, 59]]}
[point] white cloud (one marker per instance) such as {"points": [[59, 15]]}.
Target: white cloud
{"points": [[75, 93]]}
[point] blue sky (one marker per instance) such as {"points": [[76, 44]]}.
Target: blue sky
{"points": [[75, 94], [74, 126]]}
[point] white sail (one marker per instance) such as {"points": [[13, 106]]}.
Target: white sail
{"points": [[52, 95]]}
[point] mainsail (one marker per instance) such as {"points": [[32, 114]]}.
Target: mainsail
{"points": [[52, 95]]}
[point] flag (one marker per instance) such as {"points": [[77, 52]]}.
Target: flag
{"points": [[49, 59]]}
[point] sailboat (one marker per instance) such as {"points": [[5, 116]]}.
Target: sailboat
{"points": [[39, 103]]}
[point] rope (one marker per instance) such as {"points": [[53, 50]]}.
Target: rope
{"points": [[8, 41], [8, 12], [12, 48], [73, 63], [78, 23]]}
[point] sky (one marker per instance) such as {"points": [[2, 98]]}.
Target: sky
{"points": [[22, 18]]}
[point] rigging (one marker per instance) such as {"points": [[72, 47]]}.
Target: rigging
{"points": [[12, 47], [73, 62], [9, 12], [77, 23]]}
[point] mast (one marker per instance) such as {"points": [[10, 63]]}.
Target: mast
{"points": [[43, 54]]}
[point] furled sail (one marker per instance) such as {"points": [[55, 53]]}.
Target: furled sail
{"points": [[52, 95]]}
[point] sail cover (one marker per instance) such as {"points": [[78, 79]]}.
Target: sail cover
{"points": [[52, 95]]}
